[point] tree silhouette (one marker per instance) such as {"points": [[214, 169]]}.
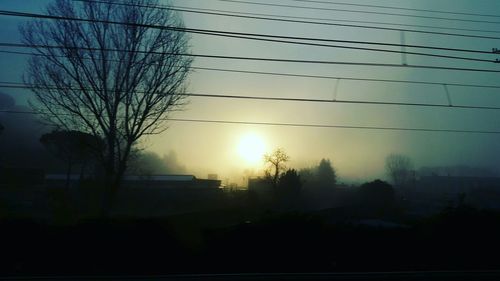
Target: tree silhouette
{"points": [[6, 101], [326, 175], [321, 176], [73, 147], [288, 191], [399, 168], [114, 81], [307, 174], [147, 163], [289, 182], [276, 161], [377, 197]]}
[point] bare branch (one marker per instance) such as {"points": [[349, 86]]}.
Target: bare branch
{"points": [[116, 82]]}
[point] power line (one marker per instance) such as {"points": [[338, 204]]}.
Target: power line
{"points": [[14, 85], [319, 125], [306, 125], [18, 14], [229, 14], [360, 48], [4, 44], [176, 7], [333, 126], [356, 11], [219, 32], [263, 59], [345, 78], [267, 18], [307, 75], [190, 9], [397, 8], [252, 36], [244, 35]]}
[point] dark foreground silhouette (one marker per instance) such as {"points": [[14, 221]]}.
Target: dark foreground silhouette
{"points": [[458, 238]]}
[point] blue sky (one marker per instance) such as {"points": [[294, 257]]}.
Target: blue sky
{"points": [[357, 154]]}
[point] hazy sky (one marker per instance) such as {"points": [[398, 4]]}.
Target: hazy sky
{"points": [[356, 154]]}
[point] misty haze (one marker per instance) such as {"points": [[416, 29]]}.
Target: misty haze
{"points": [[227, 138]]}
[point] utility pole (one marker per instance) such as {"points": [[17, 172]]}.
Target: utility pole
{"points": [[336, 89], [447, 94], [403, 49]]}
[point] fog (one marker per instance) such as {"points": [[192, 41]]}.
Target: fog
{"points": [[357, 154], [225, 136]]}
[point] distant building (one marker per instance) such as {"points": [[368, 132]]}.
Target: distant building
{"points": [[213, 177], [30, 193], [433, 193], [452, 185], [167, 194], [261, 187], [153, 181], [149, 196], [170, 181]]}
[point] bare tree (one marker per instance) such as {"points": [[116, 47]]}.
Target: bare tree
{"points": [[276, 160], [399, 168], [115, 81]]}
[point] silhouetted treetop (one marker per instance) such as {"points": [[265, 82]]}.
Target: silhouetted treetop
{"points": [[289, 181], [399, 168], [72, 145], [321, 176], [6, 101], [377, 193], [326, 174], [276, 161]]}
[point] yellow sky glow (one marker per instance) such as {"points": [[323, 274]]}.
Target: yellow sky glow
{"points": [[251, 148]]}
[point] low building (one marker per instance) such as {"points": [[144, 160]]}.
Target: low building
{"points": [[260, 185], [170, 181], [41, 196], [134, 181], [455, 184], [261, 188]]}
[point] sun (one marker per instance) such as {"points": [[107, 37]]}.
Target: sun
{"points": [[251, 148]]}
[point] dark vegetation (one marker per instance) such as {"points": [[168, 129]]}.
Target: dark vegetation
{"points": [[308, 222], [297, 226], [459, 238]]}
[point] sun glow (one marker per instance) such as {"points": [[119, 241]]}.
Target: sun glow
{"points": [[252, 148]]}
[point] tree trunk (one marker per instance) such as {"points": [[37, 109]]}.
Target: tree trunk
{"points": [[109, 189], [113, 183], [82, 172], [276, 176], [109, 179], [68, 174]]}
